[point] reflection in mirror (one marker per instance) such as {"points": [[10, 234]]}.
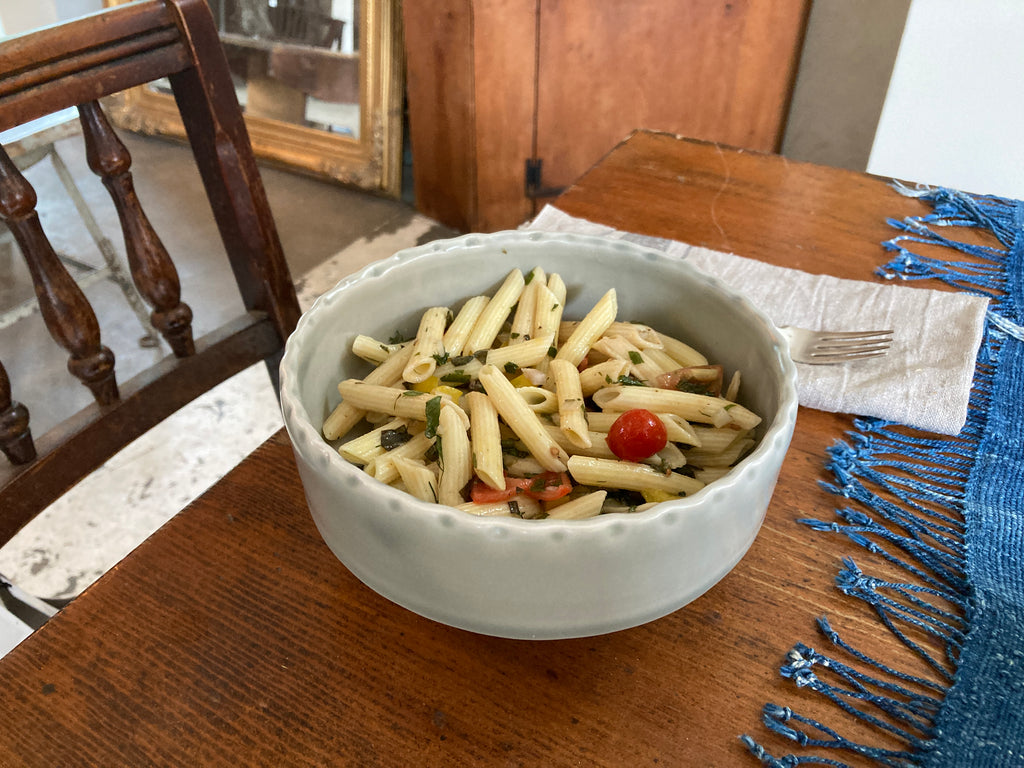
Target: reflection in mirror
{"points": [[296, 61]]}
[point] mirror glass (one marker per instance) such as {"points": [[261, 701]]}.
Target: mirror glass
{"points": [[294, 60]]}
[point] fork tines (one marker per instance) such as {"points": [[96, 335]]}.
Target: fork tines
{"points": [[851, 345]]}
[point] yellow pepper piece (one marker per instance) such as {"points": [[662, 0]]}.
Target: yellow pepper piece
{"points": [[521, 381], [428, 385], [656, 496], [444, 389]]}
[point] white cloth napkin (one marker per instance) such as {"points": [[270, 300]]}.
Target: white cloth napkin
{"points": [[924, 381]]}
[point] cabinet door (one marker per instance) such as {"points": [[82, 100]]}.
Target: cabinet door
{"points": [[707, 69]]}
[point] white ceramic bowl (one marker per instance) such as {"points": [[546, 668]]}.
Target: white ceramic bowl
{"points": [[520, 578]]}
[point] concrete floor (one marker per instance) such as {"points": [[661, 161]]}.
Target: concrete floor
{"points": [[327, 232]]}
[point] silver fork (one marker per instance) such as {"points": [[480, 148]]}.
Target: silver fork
{"points": [[832, 347]]}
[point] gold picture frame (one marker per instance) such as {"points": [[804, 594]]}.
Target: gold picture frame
{"points": [[370, 161]]}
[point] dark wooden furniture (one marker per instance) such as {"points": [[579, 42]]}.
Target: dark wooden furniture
{"points": [[234, 637], [558, 83], [76, 65]]}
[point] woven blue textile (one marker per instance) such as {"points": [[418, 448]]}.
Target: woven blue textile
{"points": [[955, 528]]}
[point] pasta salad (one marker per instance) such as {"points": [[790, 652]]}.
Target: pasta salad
{"points": [[505, 408]]}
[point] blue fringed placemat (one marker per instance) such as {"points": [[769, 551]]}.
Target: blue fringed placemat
{"points": [[950, 513]]}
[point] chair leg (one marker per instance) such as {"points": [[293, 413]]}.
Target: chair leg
{"points": [[113, 265]]}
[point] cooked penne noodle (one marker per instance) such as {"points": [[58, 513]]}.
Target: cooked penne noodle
{"points": [[345, 415], [681, 352], [572, 419], [594, 377], [373, 351], [598, 447], [522, 320], [538, 399], [383, 467], [733, 390], [580, 508], [521, 506], [407, 403], [523, 421], [604, 473], [485, 440], [493, 317], [454, 456], [593, 324], [717, 440], [726, 458], [547, 315], [417, 478], [640, 336], [360, 450], [526, 354], [618, 348], [428, 345], [454, 339], [700, 408]]}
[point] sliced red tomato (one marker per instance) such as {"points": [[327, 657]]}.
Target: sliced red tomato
{"points": [[481, 493], [636, 435], [543, 487], [548, 486]]}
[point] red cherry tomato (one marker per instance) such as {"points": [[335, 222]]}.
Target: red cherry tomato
{"points": [[546, 486], [637, 434]]}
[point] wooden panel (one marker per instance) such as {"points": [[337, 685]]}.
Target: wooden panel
{"points": [[720, 71], [439, 81], [505, 44]]}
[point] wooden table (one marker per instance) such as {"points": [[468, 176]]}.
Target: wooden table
{"points": [[233, 636]]}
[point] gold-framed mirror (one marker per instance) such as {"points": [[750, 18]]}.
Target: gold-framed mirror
{"points": [[320, 83]]}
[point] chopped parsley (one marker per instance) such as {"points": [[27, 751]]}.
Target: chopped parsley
{"points": [[433, 410], [392, 438], [512, 369], [630, 381], [456, 378], [634, 358], [552, 351], [461, 360], [397, 338], [440, 359]]}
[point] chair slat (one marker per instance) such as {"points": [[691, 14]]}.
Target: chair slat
{"points": [[67, 313], [15, 434], [152, 270]]}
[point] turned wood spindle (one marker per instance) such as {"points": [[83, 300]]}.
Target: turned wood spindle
{"points": [[152, 270], [67, 313], [15, 435]]}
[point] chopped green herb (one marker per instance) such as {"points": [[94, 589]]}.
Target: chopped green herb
{"points": [[552, 351], [634, 358], [461, 360], [456, 378], [511, 447], [630, 381], [512, 369], [554, 306], [433, 412], [412, 393], [392, 438], [693, 387], [513, 508], [441, 359], [397, 338], [481, 355], [529, 277], [513, 335], [729, 406]]}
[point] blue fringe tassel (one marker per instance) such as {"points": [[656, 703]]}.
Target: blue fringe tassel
{"points": [[919, 525]]}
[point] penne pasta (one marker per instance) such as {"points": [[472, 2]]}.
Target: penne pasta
{"points": [[682, 353], [522, 420], [428, 345], [454, 339], [373, 351], [493, 316], [454, 456], [700, 408], [572, 419], [417, 478], [581, 508], [604, 473], [525, 354], [485, 440], [594, 323]]}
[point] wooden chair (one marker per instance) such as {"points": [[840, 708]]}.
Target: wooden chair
{"points": [[76, 65]]}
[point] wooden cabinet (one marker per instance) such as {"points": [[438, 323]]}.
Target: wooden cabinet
{"points": [[496, 84]]}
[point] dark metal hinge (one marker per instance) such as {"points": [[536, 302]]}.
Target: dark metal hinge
{"points": [[533, 184]]}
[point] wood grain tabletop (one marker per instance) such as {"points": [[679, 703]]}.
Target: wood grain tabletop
{"points": [[234, 637]]}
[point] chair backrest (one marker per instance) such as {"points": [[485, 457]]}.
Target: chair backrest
{"points": [[75, 65]]}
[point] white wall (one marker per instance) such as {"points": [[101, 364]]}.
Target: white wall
{"points": [[954, 111]]}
